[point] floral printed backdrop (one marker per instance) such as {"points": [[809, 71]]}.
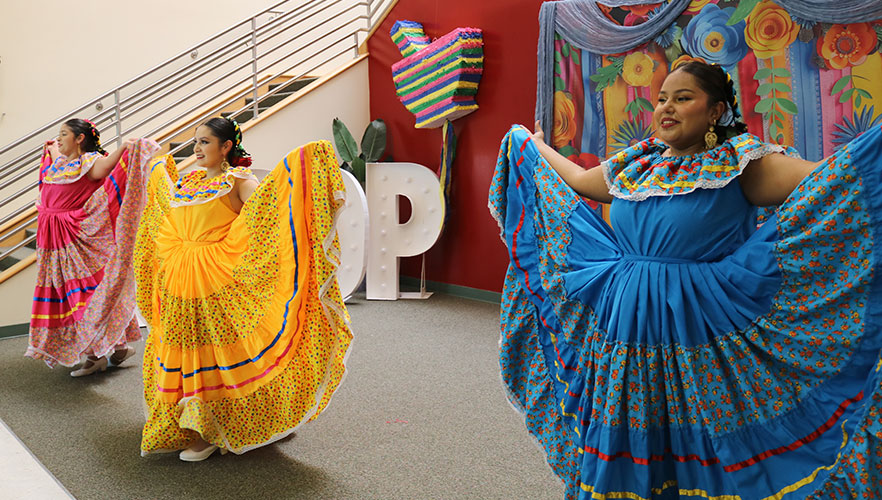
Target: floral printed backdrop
{"points": [[814, 86]]}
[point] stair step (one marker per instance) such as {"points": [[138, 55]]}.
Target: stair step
{"points": [[264, 104], [294, 85], [28, 233], [11, 259]]}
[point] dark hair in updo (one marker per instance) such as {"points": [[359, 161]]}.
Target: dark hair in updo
{"points": [[91, 138], [719, 87], [226, 129]]}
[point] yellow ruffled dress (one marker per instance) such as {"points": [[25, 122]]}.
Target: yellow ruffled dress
{"points": [[248, 331]]}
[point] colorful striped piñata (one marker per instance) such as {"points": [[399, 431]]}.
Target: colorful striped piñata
{"points": [[437, 82]]}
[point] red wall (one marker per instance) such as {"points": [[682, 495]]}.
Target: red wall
{"points": [[469, 252]]}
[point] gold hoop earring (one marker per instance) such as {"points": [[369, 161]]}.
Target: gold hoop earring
{"points": [[225, 165], [710, 138]]}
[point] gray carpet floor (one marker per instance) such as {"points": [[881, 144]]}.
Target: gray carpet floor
{"points": [[422, 414]]}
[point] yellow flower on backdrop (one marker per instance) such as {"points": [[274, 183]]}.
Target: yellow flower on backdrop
{"points": [[696, 5], [769, 30], [637, 70], [564, 119]]}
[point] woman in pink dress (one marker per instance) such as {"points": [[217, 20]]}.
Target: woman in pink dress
{"points": [[89, 207]]}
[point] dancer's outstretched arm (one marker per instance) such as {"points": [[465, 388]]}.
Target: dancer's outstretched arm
{"points": [[104, 165], [769, 180], [588, 183]]}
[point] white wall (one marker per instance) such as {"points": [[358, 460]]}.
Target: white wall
{"points": [[57, 54], [346, 96], [17, 297]]}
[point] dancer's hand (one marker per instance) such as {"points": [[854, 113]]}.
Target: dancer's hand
{"points": [[51, 147], [538, 136]]}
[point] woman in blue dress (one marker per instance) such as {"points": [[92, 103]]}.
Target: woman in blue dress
{"points": [[695, 349]]}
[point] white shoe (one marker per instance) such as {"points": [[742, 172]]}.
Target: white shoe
{"points": [[189, 455], [90, 366], [120, 355]]}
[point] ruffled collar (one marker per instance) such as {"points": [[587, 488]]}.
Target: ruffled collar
{"points": [[641, 171], [194, 188], [62, 171]]}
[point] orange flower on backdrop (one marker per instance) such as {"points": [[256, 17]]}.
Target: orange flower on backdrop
{"points": [[564, 119], [847, 44], [769, 29], [696, 6], [637, 69], [685, 59], [640, 10]]}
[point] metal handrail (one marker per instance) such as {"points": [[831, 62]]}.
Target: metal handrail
{"points": [[18, 227], [141, 76], [272, 46]]}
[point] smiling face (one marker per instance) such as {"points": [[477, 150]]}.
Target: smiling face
{"points": [[210, 151], [683, 114], [69, 142]]}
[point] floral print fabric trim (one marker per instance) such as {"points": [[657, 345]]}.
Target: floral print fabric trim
{"points": [[193, 188], [641, 171], [62, 171]]}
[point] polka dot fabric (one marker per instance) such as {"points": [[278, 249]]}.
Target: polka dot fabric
{"points": [[781, 403], [84, 299], [248, 332]]}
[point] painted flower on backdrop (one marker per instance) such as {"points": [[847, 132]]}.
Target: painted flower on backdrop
{"points": [[708, 37], [637, 14], [845, 45], [769, 29], [696, 5], [685, 58], [637, 69], [629, 133], [564, 119], [849, 130]]}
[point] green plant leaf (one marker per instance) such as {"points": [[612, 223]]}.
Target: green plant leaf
{"points": [[745, 7], [846, 95], [557, 57], [673, 52], [559, 83], [565, 50], [840, 84], [864, 93], [344, 141], [762, 74], [788, 105], [574, 55], [568, 150], [767, 88], [763, 106], [643, 104], [373, 142], [618, 63], [781, 72], [358, 169], [857, 101]]}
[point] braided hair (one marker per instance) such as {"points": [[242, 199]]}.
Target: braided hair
{"points": [[227, 129], [91, 137], [718, 85]]}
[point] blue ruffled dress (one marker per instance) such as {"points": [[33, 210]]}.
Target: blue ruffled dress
{"points": [[692, 351]]}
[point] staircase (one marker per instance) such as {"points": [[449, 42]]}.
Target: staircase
{"points": [[241, 72], [281, 90]]}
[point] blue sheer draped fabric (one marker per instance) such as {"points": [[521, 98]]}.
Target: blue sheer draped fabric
{"points": [[686, 352]]}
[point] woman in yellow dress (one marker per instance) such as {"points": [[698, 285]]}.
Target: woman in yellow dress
{"points": [[237, 280]]}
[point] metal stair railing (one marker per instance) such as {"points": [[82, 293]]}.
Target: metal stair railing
{"points": [[287, 41]]}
